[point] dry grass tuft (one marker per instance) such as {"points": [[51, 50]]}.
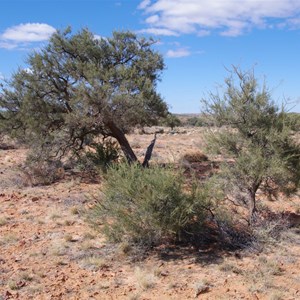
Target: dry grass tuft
{"points": [[195, 156], [144, 279]]}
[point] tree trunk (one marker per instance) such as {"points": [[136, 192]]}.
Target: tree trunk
{"points": [[149, 153], [252, 201], [252, 207], [119, 135]]}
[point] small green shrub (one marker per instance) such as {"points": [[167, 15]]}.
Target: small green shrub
{"points": [[194, 121], [172, 121], [200, 121], [293, 121], [147, 206], [102, 155]]}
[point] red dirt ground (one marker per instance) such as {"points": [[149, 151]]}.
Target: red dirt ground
{"points": [[48, 251]]}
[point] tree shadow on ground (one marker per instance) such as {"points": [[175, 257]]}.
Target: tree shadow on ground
{"points": [[205, 257], [211, 246]]}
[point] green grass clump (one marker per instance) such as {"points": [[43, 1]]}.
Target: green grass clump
{"points": [[147, 206]]}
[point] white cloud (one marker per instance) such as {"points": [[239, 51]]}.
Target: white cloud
{"points": [[1, 76], [8, 45], [181, 52], [144, 4], [228, 17], [159, 31], [16, 36], [294, 23], [97, 37], [29, 32], [203, 32]]}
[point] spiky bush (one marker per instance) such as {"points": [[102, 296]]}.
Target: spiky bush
{"points": [[147, 206], [101, 155]]}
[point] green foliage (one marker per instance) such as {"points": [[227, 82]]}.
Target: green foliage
{"points": [[172, 121], [103, 154], [195, 122], [147, 206], [200, 121], [80, 87], [293, 121], [256, 137]]}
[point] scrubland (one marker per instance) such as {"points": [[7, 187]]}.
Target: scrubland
{"points": [[50, 251]]}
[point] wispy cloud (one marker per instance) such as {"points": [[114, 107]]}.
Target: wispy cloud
{"points": [[159, 31], [294, 23], [181, 52], [144, 4], [227, 17], [1, 76], [24, 34], [8, 45]]}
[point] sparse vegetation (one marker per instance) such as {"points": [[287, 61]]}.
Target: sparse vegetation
{"points": [[94, 262], [229, 267], [75, 210], [144, 278], [58, 248], [3, 221], [8, 238], [68, 238], [187, 229], [39, 169], [14, 285], [40, 249], [201, 287]]}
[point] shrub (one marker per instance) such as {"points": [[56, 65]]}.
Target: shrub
{"points": [[172, 121], [195, 156], [147, 206], [42, 171], [293, 120], [103, 154], [200, 121], [194, 121]]}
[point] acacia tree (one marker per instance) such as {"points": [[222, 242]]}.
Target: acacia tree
{"points": [[256, 138], [78, 87]]}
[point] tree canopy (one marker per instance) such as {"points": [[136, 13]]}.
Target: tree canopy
{"points": [[80, 86]]}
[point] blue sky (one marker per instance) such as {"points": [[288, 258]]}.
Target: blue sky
{"points": [[199, 39]]}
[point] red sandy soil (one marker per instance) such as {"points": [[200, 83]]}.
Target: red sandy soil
{"points": [[49, 251]]}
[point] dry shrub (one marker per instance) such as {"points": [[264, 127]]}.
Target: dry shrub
{"points": [[195, 156], [41, 171], [6, 143]]}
